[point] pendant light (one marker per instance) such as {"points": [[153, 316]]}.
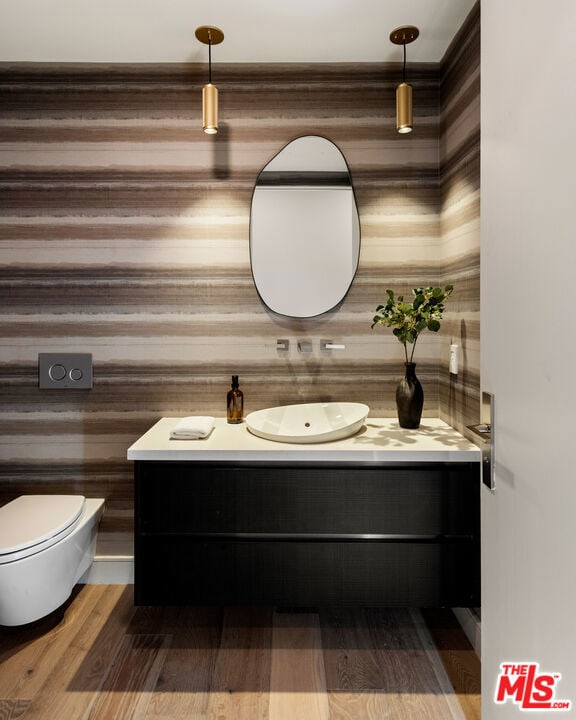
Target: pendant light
{"points": [[209, 35], [403, 36]]}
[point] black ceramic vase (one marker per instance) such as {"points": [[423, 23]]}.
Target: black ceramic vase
{"points": [[409, 399]]}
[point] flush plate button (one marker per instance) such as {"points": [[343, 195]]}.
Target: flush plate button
{"points": [[57, 372], [76, 374], [65, 371]]}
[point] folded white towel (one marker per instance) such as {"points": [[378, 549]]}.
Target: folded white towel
{"points": [[192, 428]]}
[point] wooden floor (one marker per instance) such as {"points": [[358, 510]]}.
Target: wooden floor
{"points": [[101, 659]]}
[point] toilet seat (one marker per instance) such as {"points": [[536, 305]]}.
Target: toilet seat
{"points": [[32, 523]]}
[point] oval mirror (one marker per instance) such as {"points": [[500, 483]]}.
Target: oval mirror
{"points": [[304, 229]]}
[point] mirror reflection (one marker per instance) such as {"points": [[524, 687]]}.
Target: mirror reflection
{"points": [[304, 229]]}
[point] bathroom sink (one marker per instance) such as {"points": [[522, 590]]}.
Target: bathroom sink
{"points": [[309, 422]]}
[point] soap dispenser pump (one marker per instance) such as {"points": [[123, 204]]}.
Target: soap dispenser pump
{"points": [[235, 404]]}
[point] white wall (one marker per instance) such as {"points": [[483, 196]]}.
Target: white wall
{"points": [[528, 308]]}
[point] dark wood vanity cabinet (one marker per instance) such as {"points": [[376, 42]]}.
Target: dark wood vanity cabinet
{"points": [[304, 535]]}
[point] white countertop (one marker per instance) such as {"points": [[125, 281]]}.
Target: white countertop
{"points": [[380, 440]]}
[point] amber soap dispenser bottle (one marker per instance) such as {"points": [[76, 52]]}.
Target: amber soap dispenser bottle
{"points": [[235, 405]]}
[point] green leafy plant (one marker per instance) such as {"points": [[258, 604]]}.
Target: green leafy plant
{"points": [[409, 319]]}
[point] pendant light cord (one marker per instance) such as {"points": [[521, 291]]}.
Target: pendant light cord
{"points": [[210, 59], [404, 65]]}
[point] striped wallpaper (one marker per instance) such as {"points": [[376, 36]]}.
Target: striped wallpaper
{"points": [[460, 221], [124, 233]]}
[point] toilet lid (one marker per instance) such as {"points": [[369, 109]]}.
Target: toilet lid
{"points": [[33, 522]]}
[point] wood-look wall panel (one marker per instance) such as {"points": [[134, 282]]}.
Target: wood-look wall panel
{"points": [[68, 132], [293, 88], [126, 299], [463, 56], [190, 389], [124, 231], [111, 480], [87, 232], [459, 395], [461, 169]]}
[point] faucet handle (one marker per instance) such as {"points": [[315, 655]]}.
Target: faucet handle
{"points": [[329, 345]]}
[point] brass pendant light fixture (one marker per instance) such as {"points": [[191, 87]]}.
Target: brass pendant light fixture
{"points": [[209, 35], [403, 36]]}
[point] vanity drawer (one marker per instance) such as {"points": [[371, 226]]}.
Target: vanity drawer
{"points": [[303, 574], [186, 498]]}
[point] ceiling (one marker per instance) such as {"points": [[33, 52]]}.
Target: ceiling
{"points": [[161, 31]]}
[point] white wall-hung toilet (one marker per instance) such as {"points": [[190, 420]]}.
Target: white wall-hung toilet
{"points": [[47, 543]]}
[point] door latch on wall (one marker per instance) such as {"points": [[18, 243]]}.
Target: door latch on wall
{"points": [[485, 431]]}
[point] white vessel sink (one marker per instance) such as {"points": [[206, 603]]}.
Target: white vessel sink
{"points": [[308, 423]]}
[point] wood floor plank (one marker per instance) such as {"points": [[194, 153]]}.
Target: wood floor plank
{"points": [[126, 691], [297, 681], [241, 680], [13, 709], [36, 649], [403, 664], [350, 658], [73, 684], [458, 657], [446, 689], [381, 705], [380, 650], [183, 688]]}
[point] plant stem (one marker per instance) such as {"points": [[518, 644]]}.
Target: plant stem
{"points": [[413, 348]]}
